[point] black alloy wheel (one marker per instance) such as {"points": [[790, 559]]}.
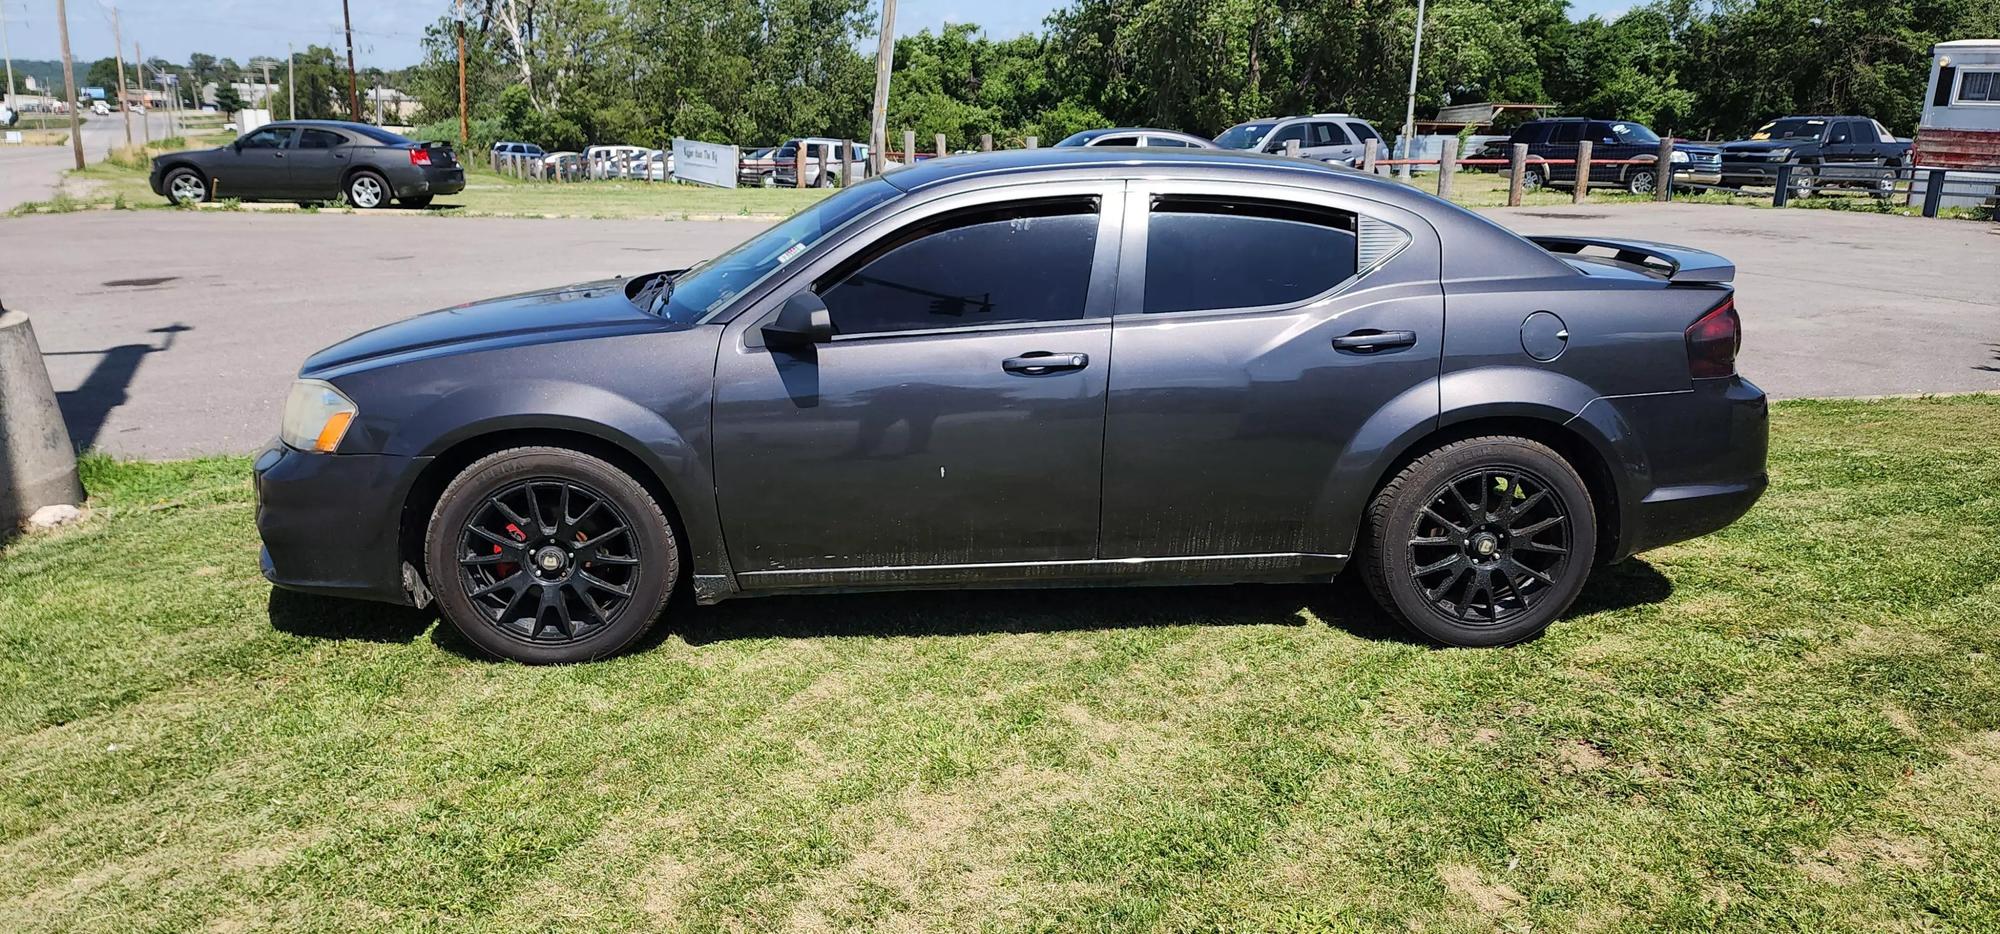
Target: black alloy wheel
{"points": [[1480, 542], [548, 555]]}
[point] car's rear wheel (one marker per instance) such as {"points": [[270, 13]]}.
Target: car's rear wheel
{"points": [[544, 555], [1532, 179], [1642, 181], [1481, 542], [367, 190], [186, 186], [416, 201]]}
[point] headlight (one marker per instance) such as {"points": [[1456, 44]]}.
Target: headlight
{"points": [[1680, 156], [316, 416], [1782, 154]]}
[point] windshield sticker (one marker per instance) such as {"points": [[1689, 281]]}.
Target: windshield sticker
{"points": [[791, 253]]}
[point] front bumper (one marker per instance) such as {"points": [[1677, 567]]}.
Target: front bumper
{"points": [[1700, 175], [1695, 460], [332, 523]]}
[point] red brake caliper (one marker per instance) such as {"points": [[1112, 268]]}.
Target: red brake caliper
{"points": [[508, 569]]}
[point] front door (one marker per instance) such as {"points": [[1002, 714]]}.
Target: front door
{"points": [[953, 427], [257, 166], [318, 160], [1257, 342]]}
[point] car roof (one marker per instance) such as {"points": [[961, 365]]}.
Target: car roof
{"points": [[1114, 161]]}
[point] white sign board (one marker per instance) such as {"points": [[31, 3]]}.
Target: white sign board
{"points": [[13, 136], [704, 163], [249, 119]]}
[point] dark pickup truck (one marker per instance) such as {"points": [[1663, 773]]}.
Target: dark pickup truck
{"points": [[1843, 150]]}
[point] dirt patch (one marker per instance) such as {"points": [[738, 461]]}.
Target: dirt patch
{"points": [[1582, 756], [1470, 884]]}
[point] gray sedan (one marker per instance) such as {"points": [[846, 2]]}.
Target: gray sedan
{"points": [[1137, 136], [312, 160], [1034, 368]]}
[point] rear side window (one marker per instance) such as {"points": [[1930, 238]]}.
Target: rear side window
{"points": [[1329, 134], [1023, 262], [1217, 253], [1117, 141], [320, 139]]}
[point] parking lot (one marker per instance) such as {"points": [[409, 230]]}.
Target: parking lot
{"points": [[172, 333]]}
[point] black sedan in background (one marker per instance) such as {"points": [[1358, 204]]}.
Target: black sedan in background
{"points": [[313, 160]]}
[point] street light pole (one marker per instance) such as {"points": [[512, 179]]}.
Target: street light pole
{"points": [[291, 82], [353, 93], [124, 106], [5, 51], [885, 59], [1410, 109]]}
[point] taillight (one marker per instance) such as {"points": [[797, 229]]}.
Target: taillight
{"points": [[420, 157], [1713, 340]]}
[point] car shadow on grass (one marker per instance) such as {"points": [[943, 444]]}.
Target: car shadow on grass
{"points": [[1343, 605]]}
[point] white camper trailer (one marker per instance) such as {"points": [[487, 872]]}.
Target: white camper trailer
{"points": [[1960, 130]]}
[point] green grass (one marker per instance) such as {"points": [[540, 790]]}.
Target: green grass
{"points": [[1794, 724]]}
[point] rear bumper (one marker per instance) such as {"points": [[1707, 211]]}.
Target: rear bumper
{"points": [[434, 180], [1694, 461], [332, 523]]}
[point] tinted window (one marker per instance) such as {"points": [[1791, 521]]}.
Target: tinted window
{"points": [[320, 139], [1206, 253], [1942, 96], [1566, 133], [1600, 133], [1363, 131], [1019, 262], [1116, 141], [270, 137], [1531, 133], [1981, 86]]}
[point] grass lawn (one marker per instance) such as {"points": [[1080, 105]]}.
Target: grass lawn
{"points": [[1794, 724]]}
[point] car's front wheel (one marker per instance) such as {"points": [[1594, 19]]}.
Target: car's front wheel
{"points": [[367, 190], [1480, 542], [545, 555], [186, 186]]}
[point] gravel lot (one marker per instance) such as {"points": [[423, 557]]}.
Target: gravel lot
{"points": [[172, 333]]}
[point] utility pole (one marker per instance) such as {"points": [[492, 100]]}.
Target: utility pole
{"points": [[464, 118], [69, 81], [291, 82], [353, 92], [5, 51], [118, 46], [266, 102], [885, 59], [139, 78], [1410, 110]]}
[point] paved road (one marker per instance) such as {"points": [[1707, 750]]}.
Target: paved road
{"points": [[186, 344], [31, 173]]}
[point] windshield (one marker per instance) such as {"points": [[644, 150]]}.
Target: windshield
{"points": [[707, 287], [1790, 128], [1243, 137], [1633, 134]]}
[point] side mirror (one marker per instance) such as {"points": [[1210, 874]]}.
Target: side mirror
{"points": [[802, 322], [237, 144]]}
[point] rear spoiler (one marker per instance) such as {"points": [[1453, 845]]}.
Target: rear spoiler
{"points": [[1676, 264]]}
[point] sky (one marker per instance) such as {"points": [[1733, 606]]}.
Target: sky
{"points": [[389, 33]]}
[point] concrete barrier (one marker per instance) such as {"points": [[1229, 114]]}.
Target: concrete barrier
{"points": [[37, 463]]}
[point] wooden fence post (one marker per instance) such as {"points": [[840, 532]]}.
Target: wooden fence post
{"points": [[940, 144], [1516, 164], [799, 165], [1368, 156], [1447, 167], [846, 162], [985, 142], [1033, 142], [1581, 189], [1663, 180], [909, 147]]}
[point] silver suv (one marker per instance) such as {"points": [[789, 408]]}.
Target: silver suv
{"points": [[1326, 137]]}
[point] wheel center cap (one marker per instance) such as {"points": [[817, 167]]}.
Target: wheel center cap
{"points": [[1484, 544], [551, 559]]}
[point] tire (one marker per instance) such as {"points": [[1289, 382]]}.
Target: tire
{"points": [[367, 190], [419, 202], [1532, 180], [1642, 181], [1416, 518], [593, 589], [187, 180]]}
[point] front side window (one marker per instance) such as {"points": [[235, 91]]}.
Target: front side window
{"points": [[1219, 253], [1981, 87], [1008, 264], [270, 137], [1296, 131], [711, 285]]}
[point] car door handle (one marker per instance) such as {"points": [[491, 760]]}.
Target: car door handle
{"points": [[1040, 362], [1373, 341]]}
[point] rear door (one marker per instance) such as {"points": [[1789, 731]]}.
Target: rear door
{"points": [[1328, 142], [1260, 331], [1562, 142], [318, 160], [953, 429]]}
